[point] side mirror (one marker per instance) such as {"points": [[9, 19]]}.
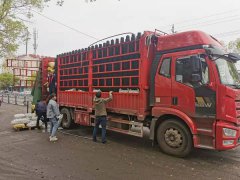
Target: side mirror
{"points": [[234, 56], [196, 64], [196, 78]]}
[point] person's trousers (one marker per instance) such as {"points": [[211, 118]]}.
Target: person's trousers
{"points": [[53, 126], [40, 114], [103, 121]]}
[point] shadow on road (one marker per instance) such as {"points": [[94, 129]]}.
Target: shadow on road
{"points": [[144, 144]]}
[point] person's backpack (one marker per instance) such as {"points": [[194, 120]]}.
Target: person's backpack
{"points": [[41, 107]]}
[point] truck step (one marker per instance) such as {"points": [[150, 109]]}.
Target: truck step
{"points": [[129, 132], [115, 124], [125, 122], [133, 128], [207, 132], [204, 146]]}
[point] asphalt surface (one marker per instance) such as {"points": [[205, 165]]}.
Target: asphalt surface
{"points": [[28, 154]]}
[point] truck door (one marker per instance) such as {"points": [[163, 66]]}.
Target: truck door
{"points": [[163, 83], [190, 92], [183, 97]]}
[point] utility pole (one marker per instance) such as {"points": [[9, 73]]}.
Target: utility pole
{"points": [[27, 38], [35, 40], [173, 29]]}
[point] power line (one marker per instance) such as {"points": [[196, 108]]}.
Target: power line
{"points": [[209, 24], [204, 17], [202, 23], [229, 33], [76, 30], [214, 21]]}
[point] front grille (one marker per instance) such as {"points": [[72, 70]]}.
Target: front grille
{"points": [[237, 104]]}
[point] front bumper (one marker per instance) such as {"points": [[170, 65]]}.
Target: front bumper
{"points": [[224, 142]]}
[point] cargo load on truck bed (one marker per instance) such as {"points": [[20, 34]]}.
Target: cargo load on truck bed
{"points": [[117, 65]]}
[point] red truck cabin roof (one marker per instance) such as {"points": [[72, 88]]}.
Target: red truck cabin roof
{"points": [[185, 39]]}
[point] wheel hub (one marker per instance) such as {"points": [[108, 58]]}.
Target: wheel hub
{"points": [[64, 119], [173, 137]]}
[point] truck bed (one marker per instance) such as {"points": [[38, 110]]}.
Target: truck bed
{"points": [[124, 103]]}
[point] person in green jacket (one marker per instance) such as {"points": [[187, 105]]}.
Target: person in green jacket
{"points": [[101, 115]]}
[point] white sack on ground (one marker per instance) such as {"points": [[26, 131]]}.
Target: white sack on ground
{"points": [[19, 116], [33, 124], [20, 121]]}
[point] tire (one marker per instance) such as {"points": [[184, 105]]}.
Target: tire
{"points": [[66, 120], [174, 138]]}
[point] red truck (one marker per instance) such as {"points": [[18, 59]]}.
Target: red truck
{"points": [[183, 86]]}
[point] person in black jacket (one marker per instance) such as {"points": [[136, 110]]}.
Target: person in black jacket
{"points": [[41, 111]]}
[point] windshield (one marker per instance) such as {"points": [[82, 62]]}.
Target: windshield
{"points": [[227, 72]]}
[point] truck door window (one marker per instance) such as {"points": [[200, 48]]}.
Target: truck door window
{"points": [[181, 74], [165, 67], [185, 71]]}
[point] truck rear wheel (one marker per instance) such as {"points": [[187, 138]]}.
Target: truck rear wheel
{"points": [[174, 138], [66, 120]]}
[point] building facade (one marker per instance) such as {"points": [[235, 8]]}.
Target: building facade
{"points": [[24, 68]]}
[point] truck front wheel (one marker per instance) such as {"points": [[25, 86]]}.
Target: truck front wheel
{"points": [[174, 138], [67, 120]]}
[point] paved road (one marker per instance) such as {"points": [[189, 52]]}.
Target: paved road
{"points": [[28, 155]]}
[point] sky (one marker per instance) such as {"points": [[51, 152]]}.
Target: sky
{"points": [[78, 24]]}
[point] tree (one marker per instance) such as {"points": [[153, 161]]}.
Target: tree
{"points": [[6, 80], [60, 2], [14, 14], [3, 66], [234, 46]]}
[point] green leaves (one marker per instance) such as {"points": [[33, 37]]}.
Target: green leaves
{"points": [[13, 17], [234, 46], [6, 80], [238, 44]]}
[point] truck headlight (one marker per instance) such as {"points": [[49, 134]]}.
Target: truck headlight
{"points": [[229, 132], [228, 142]]}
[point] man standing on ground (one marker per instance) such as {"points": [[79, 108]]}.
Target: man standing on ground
{"points": [[52, 114], [101, 115], [41, 110]]}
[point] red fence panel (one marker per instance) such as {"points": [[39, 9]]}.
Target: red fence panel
{"points": [[74, 98]]}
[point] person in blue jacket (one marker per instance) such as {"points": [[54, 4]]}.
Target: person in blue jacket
{"points": [[53, 114]]}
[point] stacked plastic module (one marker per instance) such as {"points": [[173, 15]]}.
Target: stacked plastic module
{"points": [[116, 64], [73, 70], [113, 65]]}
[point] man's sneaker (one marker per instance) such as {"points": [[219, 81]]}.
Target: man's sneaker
{"points": [[54, 138]]}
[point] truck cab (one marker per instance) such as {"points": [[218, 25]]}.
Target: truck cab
{"points": [[194, 94]]}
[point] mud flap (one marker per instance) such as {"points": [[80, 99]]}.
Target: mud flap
{"points": [[152, 130]]}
